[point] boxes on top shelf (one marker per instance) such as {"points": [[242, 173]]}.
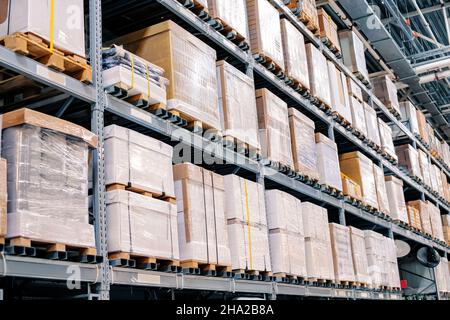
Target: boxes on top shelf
{"points": [[235, 91], [353, 54], [303, 144], [340, 101], [328, 162], [386, 91], [397, 205], [409, 115], [328, 30], [296, 64], [189, 65], [232, 14], [202, 224], [359, 168], [408, 157], [35, 17], [373, 134], [383, 200], [424, 212], [342, 253], [318, 75], [265, 32], [274, 131]]}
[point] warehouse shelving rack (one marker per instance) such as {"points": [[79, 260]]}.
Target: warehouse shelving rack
{"points": [[105, 108]]}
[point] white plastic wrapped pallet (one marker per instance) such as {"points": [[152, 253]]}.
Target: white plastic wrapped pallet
{"points": [[319, 258], [442, 275], [375, 247], [353, 52], [387, 142], [372, 124], [339, 93], [408, 157], [141, 225], [247, 224], [342, 253], [358, 115], [296, 64], [424, 167], [383, 201], [129, 156], [318, 74], [286, 239], [409, 113], [328, 162], [354, 90], [397, 205], [359, 255], [35, 16], [231, 12], [386, 91], [436, 222]]}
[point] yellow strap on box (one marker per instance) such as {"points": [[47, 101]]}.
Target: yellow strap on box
{"points": [[247, 209], [52, 25]]}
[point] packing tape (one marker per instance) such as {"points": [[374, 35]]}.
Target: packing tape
{"points": [[52, 25], [247, 209]]}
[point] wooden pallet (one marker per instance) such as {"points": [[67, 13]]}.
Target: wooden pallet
{"points": [[394, 111], [401, 223], [357, 133], [195, 267], [332, 191], [147, 193], [322, 105], [280, 167], [242, 148], [38, 49], [288, 278], [363, 79], [141, 100], [353, 201], [131, 260], [340, 119], [197, 8], [245, 274], [309, 22], [333, 48], [270, 65], [230, 33], [320, 282], [298, 86], [312, 181]]}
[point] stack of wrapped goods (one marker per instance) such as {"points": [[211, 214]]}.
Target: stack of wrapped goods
{"points": [[140, 206], [303, 141], [286, 236], [202, 225], [319, 257], [239, 125], [386, 91], [265, 33], [359, 255], [373, 134], [142, 80], [393, 274], [328, 163], [189, 65], [247, 225], [387, 142], [423, 131], [436, 222], [353, 54], [397, 205], [408, 158], [340, 100], [380, 183], [328, 31], [409, 117], [296, 64], [446, 227], [342, 254], [435, 178], [359, 123], [424, 167], [354, 90], [232, 15], [273, 122], [47, 181], [442, 273], [414, 217], [375, 258], [424, 213], [445, 152], [318, 75], [359, 168], [351, 189]]}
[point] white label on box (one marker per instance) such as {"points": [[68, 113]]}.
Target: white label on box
{"points": [[148, 278], [51, 75]]}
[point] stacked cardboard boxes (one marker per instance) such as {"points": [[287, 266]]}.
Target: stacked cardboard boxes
{"points": [[422, 122], [231, 13], [328, 162], [318, 74], [373, 134], [436, 222], [353, 53], [409, 115], [387, 142], [414, 217], [386, 91], [408, 158], [359, 255], [340, 100], [328, 30], [446, 227], [397, 205], [342, 253], [424, 167], [424, 213], [380, 183], [358, 116]]}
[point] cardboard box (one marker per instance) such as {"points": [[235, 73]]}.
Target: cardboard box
{"points": [[425, 220], [424, 167], [414, 217], [409, 114], [342, 253], [436, 222], [358, 115], [295, 60], [303, 144], [189, 65], [328, 28], [383, 201], [141, 225], [408, 157], [359, 168], [202, 225], [328, 162], [265, 31], [340, 101], [318, 74], [353, 53], [138, 161], [372, 124], [354, 90], [34, 16], [387, 142], [274, 133], [351, 188], [422, 122], [397, 205], [386, 91], [232, 13], [359, 255], [237, 90]]}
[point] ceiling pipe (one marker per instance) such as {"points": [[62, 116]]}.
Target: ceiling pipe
{"points": [[432, 66], [434, 77], [425, 22]]}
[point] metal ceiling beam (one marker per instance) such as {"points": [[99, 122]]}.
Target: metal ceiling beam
{"points": [[425, 10]]}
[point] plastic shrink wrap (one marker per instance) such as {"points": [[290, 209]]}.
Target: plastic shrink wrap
{"points": [[319, 258], [35, 16], [3, 197], [342, 253], [433, 178], [354, 90], [424, 212], [359, 255], [141, 225], [273, 121], [386, 91], [424, 167], [353, 53], [382, 261], [328, 162], [236, 90], [392, 263], [383, 201], [422, 122], [387, 142], [397, 205], [358, 115], [359, 168], [286, 236], [202, 225], [436, 222], [129, 156], [340, 101], [303, 144], [443, 276], [318, 74], [372, 124], [247, 224], [231, 13], [265, 31], [47, 179], [189, 65], [446, 227], [295, 60], [409, 115], [408, 158]]}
